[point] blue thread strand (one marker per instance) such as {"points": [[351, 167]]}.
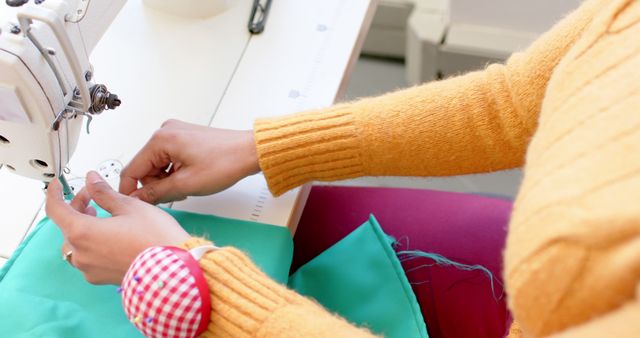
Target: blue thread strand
{"points": [[443, 261]]}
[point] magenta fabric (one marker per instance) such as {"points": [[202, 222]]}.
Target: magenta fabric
{"points": [[465, 228]]}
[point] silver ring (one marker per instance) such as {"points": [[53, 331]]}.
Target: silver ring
{"points": [[67, 256]]}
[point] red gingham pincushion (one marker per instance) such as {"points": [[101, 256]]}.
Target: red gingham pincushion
{"points": [[165, 295]]}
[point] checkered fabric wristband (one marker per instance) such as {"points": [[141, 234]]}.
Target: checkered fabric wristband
{"points": [[165, 294]]}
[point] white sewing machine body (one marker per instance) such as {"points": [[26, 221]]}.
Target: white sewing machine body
{"points": [[46, 83]]}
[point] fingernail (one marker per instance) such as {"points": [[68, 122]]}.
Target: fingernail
{"points": [[93, 177]]}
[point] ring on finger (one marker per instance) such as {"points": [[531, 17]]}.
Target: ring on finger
{"points": [[67, 256]]}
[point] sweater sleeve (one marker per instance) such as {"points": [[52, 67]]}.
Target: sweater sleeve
{"points": [[478, 122], [620, 323], [247, 303]]}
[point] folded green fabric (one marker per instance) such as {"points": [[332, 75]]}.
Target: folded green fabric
{"points": [[361, 279], [42, 296]]}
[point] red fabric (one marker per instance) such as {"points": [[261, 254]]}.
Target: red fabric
{"points": [[161, 294], [468, 229], [201, 284]]}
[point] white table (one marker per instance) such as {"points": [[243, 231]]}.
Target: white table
{"points": [[210, 72]]}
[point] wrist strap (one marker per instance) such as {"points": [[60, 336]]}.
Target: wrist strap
{"points": [[165, 293], [200, 251]]}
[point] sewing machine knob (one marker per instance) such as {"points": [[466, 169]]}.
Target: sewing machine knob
{"points": [[102, 99], [113, 101], [16, 3]]}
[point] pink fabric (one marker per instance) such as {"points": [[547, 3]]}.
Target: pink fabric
{"points": [[464, 228]]}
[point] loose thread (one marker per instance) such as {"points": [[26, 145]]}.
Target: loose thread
{"points": [[443, 261]]}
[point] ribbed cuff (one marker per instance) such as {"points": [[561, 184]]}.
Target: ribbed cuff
{"points": [[242, 296], [319, 145]]}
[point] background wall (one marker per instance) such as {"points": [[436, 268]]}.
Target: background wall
{"points": [[532, 16]]}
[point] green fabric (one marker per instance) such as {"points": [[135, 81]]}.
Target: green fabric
{"points": [[42, 296], [361, 279]]}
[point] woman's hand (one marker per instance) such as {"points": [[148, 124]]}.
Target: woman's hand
{"points": [[184, 159], [104, 248]]}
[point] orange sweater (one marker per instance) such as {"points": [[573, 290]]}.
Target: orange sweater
{"points": [[570, 103]]}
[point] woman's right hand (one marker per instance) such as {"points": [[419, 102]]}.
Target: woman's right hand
{"points": [[183, 159]]}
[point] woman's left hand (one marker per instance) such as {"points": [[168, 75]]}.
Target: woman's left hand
{"points": [[104, 248]]}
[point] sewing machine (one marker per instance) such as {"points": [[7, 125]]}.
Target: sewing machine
{"points": [[164, 59], [47, 86]]}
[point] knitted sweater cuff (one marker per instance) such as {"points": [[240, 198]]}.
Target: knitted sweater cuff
{"points": [[242, 296], [317, 145]]}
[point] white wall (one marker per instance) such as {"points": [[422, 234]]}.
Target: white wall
{"points": [[535, 16]]}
